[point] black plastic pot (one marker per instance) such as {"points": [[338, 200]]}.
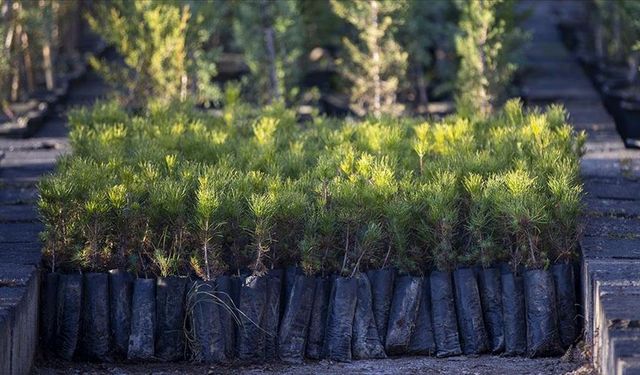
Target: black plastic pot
{"points": [[293, 329], [590, 66], [236, 286], [630, 122], [566, 302], [513, 313], [422, 340], [271, 318], [382, 282], [342, 308], [318, 319], [48, 318], [120, 295], [68, 313], [170, 313], [227, 310], [290, 274], [469, 312], [404, 311], [143, 320], [491, 298], [95, 317], [443, 315], [612, 97], [542, 317], [614, 93], [253, 301], [365, 340], [208, 339]]}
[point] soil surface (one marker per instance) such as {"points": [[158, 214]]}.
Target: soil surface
{"points": [[494, 365]]}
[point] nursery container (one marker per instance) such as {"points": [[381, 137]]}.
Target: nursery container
{"points": [[252, 306], [542, 316], [227, 311], [342, 308], [293, 328], [513, 312], [272, 314], [208, 339], [68, 312], [630, 122], [49, 301], [143, 320], [365, 340], [404, 311], [422, 341], [469, 312], [443, 315], [95, 317], [289, 279], [120, 295], [318, 319], [382, 282], [236, 286], [565, 289], [612, 96], [491, 299], [170, 312]]}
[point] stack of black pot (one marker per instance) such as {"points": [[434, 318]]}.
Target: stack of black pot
{"points": [[287, 315]]}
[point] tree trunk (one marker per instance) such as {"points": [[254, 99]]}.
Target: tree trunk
{"points": [[48, 35], [375, 62], [421, 86], [28, 65], [270, 46]]}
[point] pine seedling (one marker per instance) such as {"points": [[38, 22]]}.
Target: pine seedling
{"points": [[443, 213], [56, 209], [375, 62], [167, 225], [262, 208], [121, 212], [421, 143], [369, 247], [208, 262], [480, 245], [288, 220], [524, 210], [565, 202], [406, 256], [317, 246], [309, 246], [345, 203], [94, 228]]}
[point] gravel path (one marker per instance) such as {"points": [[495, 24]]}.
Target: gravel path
{"points": [[492, 365]]}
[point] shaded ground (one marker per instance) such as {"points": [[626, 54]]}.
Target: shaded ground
{"points": [[575, 365]]}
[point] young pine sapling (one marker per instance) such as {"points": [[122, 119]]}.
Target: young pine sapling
{"points": [[262, 208], [565, 204], [480, 246], [443, 214], [208, 261], [523, 208]]}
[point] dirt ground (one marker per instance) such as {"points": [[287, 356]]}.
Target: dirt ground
{"points": [[573, 364]]}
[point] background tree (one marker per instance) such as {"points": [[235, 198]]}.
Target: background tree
{"points": [[374, 62], [270, 36], [4, 63], [426, 31], [38, 38], [162, 45], [487, 44]]}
